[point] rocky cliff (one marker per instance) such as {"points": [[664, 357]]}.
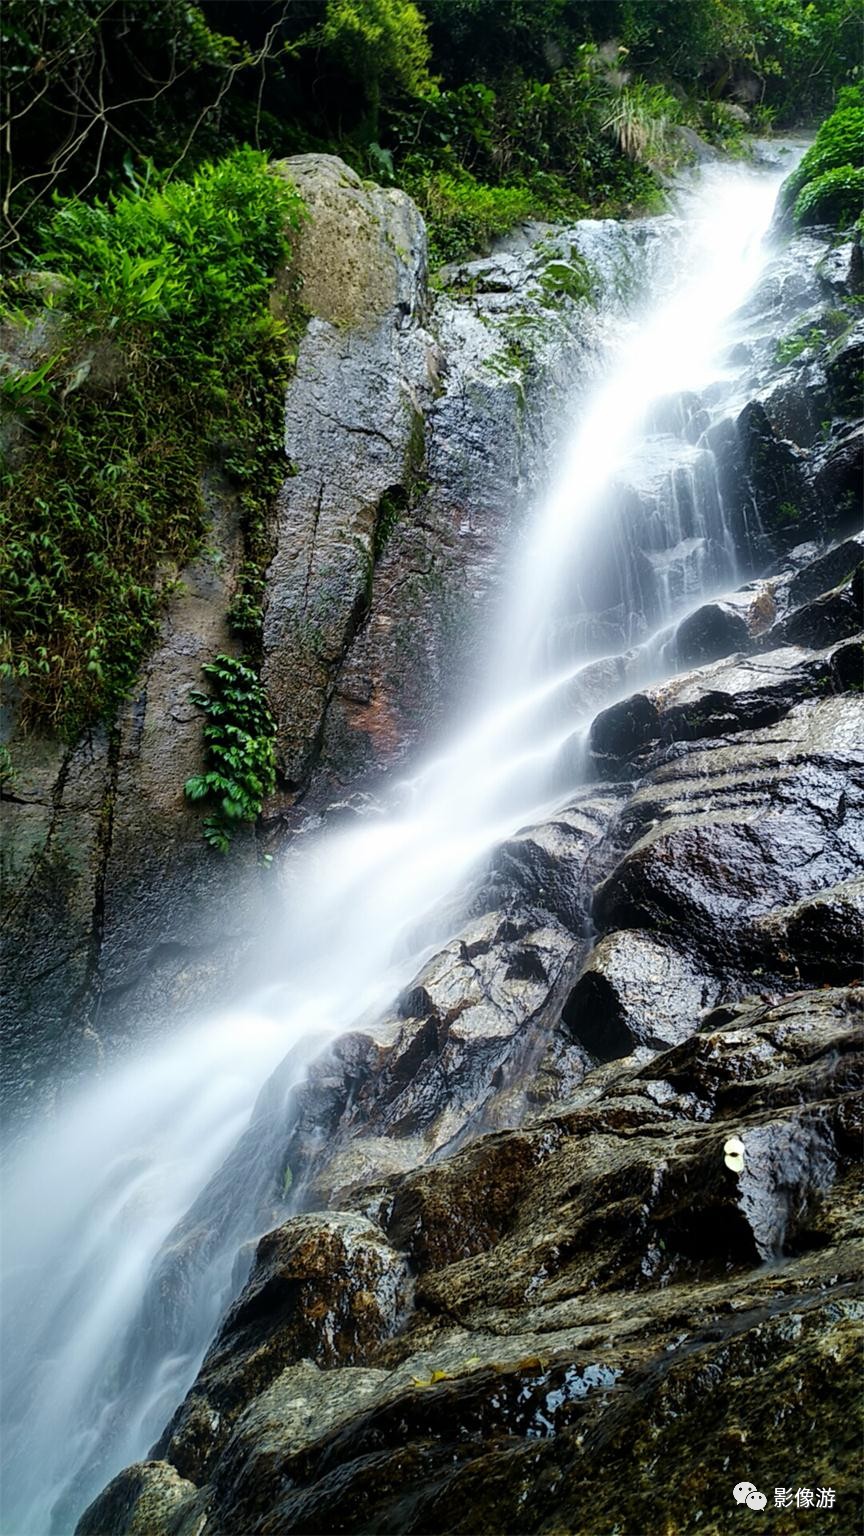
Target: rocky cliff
{"points": [[570, 1243], [413, 443]]}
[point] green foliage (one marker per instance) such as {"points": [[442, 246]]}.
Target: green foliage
{"points": [[464, 214], [511, 88], [828, 184], [792, 347], [641, 117], [566, 278], [383, 43], [239, 750], [167, 361], [720, 124], [91, 85], [390, 508], [479, 159], [784, 55], [836, 197]]}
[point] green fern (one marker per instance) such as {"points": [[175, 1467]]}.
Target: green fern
{"points": [[239, 750]]}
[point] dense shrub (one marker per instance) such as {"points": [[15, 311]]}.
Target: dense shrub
{"points": [[463, 214], [827, 184], [167, 359], [836, 197]]}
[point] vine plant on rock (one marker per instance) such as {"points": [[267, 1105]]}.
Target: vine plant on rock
{"points": [[239, 750]]}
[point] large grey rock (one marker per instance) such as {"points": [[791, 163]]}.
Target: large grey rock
{"points": [[467, 390], [353, 432], [722, 834], [636, 989], [325, 1288]]}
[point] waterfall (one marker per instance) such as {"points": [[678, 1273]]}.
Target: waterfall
{"points": [[124, 1215]]}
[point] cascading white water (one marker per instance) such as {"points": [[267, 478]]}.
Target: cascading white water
{"points": [[93, 1362]]}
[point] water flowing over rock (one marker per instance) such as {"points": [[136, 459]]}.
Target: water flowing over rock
{"points": [[614, 1328], [598, 1273], [416, 445], [323, 1288], [421, 428], [482, 1259]]}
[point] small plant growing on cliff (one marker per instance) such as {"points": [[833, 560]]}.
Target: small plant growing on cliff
{"points": [[239, 750], [791, 347]]}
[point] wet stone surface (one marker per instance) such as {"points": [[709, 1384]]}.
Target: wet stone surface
{"points": [[531, 1289], [633, 1305]]}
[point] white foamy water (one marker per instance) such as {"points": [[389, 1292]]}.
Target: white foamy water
{"points": [[97, 1354]]}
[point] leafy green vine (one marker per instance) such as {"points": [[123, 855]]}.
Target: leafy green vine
{"points": [[239, 750]]}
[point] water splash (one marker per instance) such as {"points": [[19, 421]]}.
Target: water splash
{"points": [[123, 1218]]}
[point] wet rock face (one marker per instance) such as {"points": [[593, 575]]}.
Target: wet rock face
{"points": [[420, 439], [714, 630], [116, 913], [720, 835], [449, 1060], [412, 452], [353, 413], [635, 989], [598, 1205], [326, 1288], [143, 1500], [631, 1304], [731, 696]]}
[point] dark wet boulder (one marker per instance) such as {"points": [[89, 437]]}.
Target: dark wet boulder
{"points": [[639, 1193], [797, 405], [636, 989], [831, 616], [744, 692], [441, 1063], [723, 833], [542, 868], [472, 1010], [820, 939], [143, 1500], [325, 1287], [831, 568], [714, 630], [623, 730], [737, 694], [845, 371], [764, 483], [463, 1205], [838, 474]]}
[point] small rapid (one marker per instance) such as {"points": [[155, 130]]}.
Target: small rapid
{"points": [[103, 1335]]}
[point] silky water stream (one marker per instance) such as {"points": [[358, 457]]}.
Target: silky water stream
{"points": [[103, 1330]]}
